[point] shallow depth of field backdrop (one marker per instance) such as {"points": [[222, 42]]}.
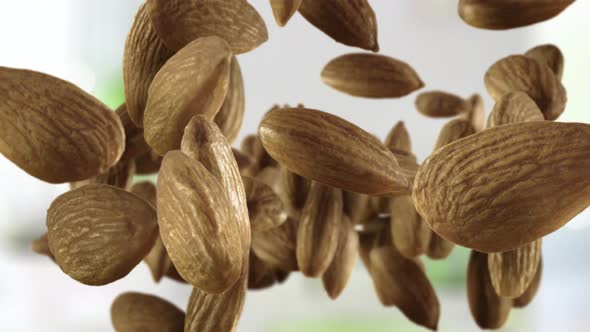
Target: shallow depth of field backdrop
{"points": [[82, 41]]}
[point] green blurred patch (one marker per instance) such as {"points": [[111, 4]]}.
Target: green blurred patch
{"points": [[111, 90], [450, 272], [339, 324]]}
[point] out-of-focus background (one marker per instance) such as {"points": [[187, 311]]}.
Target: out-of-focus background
{"points": [[82, 41]]}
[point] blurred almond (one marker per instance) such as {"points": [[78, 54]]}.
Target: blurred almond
{"points": [[99, 233], [179, 22], [331, 150], [277, 246], [513, 271], [145, 190], [197, 225], [525, 74], [531, 291], [296, 189], [402, 282], [260, 274], [231, 115], [452, 131], [202, 70], [549, 55], [158, 260], [243, 160], [53, 130], [357, 207], [148, 163], [265, 208], [371, 76], [476, 114], [439, 248], [439, 104], [144, 55], [410, 234], [135, 144], [514, 107], [318, 231], [41, 246], [120, 175], [494, 177], [489, 310], [134, 312], [283, 10], [398, 138], [336, 276], [350, 22], [509, 14]]}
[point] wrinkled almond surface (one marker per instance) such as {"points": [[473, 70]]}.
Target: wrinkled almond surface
{"points": [[514, 107], [264, 206], [398, 138], [531, 291], [549, 55], [439, 104], [231, 115], [336, 276], [277, 246], [134, 312], [513, 271]]}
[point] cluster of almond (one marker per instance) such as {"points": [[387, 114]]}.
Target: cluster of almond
{"points": [[310, 191]]}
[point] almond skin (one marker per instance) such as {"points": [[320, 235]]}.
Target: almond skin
{"points": [[514, 107], [410, 234], [398, 138], [231, 115], [179, 22], [99, 233], [531, 291], [371, 76], [336, 276], [53, 130], [283, 10], [330, 150], [525, 74], [350, 22], [513, 271], [202, 70], [197, 225], [483, 191], [549, 55], [476, 114], [440, 104], [265, 208], [277, 246], [142, 312], [509, 14]]}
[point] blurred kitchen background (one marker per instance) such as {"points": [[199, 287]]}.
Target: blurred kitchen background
{"points": [[82, 41]]}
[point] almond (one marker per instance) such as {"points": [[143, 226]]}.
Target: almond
{"points": [[514, 107], [265, 208], [120, 175], [439, 104], [142, 312], [283, 10], [476, 114], [336, 276], [277, 246], [549, 55], [513, 271], [41, 246], [531, 291], [410, 234], [398, 138], [231, 115], [135, 144], [148, 163], [439, 248]]}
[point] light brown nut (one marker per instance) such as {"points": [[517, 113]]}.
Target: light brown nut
{"points": [[531, 291], [132, 312], [350, 22], [513, 271], [489, 310], [231, 115], [197, 225], [295, 188], [439, 248], [410, 234], [357, 207], [265, 208], [483, 192], [514, 107], [331, 150], [145, 190], [179, 22], [407, 163], [283, 10], [144, 55], [217, 312], [204, 142], [244, 161], [99, 233], [260, 274], [53, 130], [371, 76], [158, 260], [135, 144], [401, 282], [522, 73], [318, 231], [439, 104], [120, 175], [476, 113], [252, 146], [452, 131], [41, 246], [277, 247], [202, 70], [398, 138], [148, 163], [549, 55], [509, 14], [336, 276]]}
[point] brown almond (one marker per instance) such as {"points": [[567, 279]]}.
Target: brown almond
{"points": [[283, 10], [53, 130], [135, 144], [509, 14], [197, 225], [476, 114], [336, 276], [489, 310], [357, 207], [514, 107], [265, 208], [371, 76], [202, 70], [398, 138], [252, 146], [260, 274], [452, 131], [158, 260], [439, 104], [439, 248], [407, 162], [148, 313], [41, 246], [99, 233], [483, 192], [549, 55], [244, 161], [143, 57], [231, 115], [120, 175], [330, 150], [350, 22], [296, 189], [179, 22], [148, 163], [318, 231], [410, 234], [513, 271], [145, 190], [401, 282], [277, 246], [522, 73], [531, 291]]}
